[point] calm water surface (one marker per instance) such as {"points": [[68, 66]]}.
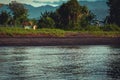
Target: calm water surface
{"points": [[60, 63]]}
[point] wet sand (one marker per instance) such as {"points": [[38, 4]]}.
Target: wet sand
{"points": [[56, 41]]}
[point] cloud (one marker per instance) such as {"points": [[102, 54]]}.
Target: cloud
{"points": [[55, 2], [37, 3], [48, 2]]}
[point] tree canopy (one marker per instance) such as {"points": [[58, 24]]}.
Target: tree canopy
{"points": [[71, 15], [114, 12], [4, 18], [46, 21], [19, 12], [1, 5]]}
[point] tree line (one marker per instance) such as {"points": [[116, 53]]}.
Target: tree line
{"points": [[69, 16], [16, 16]]}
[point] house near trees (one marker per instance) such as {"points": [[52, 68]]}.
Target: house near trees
{"points": [[29, 25]]}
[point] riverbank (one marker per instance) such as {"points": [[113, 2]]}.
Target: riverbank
{"points": [[55, 37], [56, 41]]}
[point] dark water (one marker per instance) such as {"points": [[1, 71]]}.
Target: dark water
{"points": [[60, 63]]}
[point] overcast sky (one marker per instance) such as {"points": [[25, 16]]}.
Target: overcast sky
{"points": [[37, 3]]}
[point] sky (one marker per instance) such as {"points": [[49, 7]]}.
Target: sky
{"points": [[37, 3]]}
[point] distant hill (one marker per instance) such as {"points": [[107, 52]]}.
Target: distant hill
{"points": [[99, 8], [35, 12]]}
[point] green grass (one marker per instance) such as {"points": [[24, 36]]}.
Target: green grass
{"points": [[104, 33], [52, 32], [97, 33], [11, 31], [21, 31]]}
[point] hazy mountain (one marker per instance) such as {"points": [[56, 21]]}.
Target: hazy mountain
{"points": [[35, 12], [99, 8]]}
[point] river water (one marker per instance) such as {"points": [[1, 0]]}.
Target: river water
{"points": [[60, 63]]}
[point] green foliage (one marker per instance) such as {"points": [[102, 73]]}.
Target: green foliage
{"points": [[111, 27], [69, 11], [93, 28], [34, 21], [13, 31], [69, 16], [114, 12], [105, 33], [73, 16], [4, 18], [52, 32], [20, 13], [46, 21], [86, 20], [20, 31], [1, 5], [56, 17]]}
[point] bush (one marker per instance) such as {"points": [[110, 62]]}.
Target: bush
{"points": [[111, 27], [93, 28], [46, 22]]}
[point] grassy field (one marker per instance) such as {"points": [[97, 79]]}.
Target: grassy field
{"points": [[12, 31]]}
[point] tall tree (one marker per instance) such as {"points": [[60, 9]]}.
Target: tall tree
{"points": [[20, 13], [1, 5], [69, 15], [4, 18], [72, 14], [114, 12]]}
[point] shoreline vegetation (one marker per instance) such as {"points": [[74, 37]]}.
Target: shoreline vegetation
{"points": [[56, 37], [47, 32]]}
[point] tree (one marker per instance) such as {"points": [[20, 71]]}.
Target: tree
{"points": [[4, 18], [114, 12], [46, 21], [72, 14], [56, 17], [1, 5], [19, 12], [86, 20], [69, 15]]}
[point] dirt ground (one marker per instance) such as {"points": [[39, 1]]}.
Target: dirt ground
{"points": [[57, 41]]}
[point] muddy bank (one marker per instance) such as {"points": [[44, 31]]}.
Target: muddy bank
{"points": [[56, 41]]}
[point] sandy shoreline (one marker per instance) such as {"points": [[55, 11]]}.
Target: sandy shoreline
{"points": [[58, 41]]}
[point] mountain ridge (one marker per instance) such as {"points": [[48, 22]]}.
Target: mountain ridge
{"points": [[99, 8]]}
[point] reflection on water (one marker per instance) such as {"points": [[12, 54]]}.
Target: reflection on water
{"points": [[60, 63]]}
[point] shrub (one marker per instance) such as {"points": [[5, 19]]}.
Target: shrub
{"points": [[111, 27], [46, 22], [93, 28]]}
